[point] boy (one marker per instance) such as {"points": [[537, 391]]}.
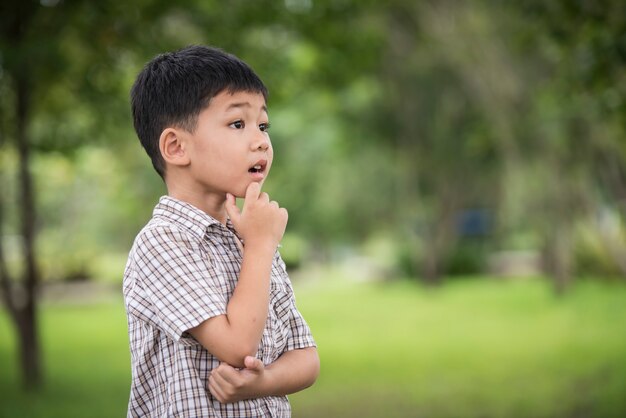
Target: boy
{"points": [[213, 326]]}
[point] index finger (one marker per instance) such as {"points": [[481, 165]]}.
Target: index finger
{"points": [[253, 191]]}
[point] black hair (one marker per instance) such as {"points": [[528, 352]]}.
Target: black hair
{"points": [[173, 88]]}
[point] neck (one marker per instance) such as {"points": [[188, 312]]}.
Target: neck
{"points": [[210, 203]]}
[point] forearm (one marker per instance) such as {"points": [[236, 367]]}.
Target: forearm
{"points": [[246, 312], [293, 371], [237, 334]]}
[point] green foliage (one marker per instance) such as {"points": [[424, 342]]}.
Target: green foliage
{"points": [[469, 257], [392, 116], [83, 227], [390, 120], [293, 251], [472, 348], [600, 246]]}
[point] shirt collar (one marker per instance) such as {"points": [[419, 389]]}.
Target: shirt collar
{"points": [[185, 215]]}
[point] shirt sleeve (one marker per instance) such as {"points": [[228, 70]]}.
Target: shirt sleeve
{"points": [[300, 335], [179, 288]]}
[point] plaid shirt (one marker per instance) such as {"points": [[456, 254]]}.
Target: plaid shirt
{"points": [[181, 271]]}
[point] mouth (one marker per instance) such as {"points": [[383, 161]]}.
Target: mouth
{"points": [[259, 167]]}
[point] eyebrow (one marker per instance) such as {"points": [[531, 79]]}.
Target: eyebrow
{"points": [[244, 104]]}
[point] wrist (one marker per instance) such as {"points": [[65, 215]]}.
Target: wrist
{"points": [[268, 383], [267, 246]]}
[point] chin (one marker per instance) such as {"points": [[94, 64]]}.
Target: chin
{"points": [[241, 193]]}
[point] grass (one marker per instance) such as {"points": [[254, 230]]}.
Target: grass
{"points": [[474, 348], [86, 364]]}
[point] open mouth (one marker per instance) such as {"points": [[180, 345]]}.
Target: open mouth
{"points": [[259, 167]]}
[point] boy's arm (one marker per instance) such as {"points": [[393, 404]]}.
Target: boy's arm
{"points": [[293, 371], [235, 335]]}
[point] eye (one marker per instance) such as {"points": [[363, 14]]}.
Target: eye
{"points": [[238, 124], [264, 127]]}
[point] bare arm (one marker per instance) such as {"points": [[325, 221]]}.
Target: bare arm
{"points": [[293, 371], [235, 335]]}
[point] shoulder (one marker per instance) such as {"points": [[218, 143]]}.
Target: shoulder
{"points": [[161, 235]]}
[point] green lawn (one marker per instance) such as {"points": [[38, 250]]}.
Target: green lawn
{"points": [[474, 348]]}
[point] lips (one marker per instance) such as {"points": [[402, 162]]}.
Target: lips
{"points": [[258, 167]]}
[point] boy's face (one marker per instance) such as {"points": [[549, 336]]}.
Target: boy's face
{"points": [[231, 147]]}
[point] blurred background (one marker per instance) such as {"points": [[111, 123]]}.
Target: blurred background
{"points": [[455, 174]]}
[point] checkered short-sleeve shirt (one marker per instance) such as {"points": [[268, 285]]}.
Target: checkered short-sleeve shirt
{"points": [[181, 271]]}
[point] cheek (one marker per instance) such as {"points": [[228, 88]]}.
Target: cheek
{"points": [[270, 158], [218, 154]]}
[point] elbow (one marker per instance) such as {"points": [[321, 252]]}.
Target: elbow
{"points": [[230, 345], [236, 357], [314, 368]]}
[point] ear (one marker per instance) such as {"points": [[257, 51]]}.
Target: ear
{"points": [[173, 147]]}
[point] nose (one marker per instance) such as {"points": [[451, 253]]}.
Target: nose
{"points": [[261, 142]]}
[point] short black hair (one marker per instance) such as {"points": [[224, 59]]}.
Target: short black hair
{"points": [[173, 88]]}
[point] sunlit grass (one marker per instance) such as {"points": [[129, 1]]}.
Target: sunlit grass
{"points": [[86, 361], [472, 348], [475, 348]]}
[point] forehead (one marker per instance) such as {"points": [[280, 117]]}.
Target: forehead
{"points": [[227, 101]]}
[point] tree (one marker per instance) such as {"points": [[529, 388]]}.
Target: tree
{"points": [[578, 118], [47, 47], [14, 25]]}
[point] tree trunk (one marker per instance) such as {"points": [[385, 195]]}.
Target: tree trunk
{"points": [[557, 258], [431, 267], [442, 235], [29, 349], [27, 314]]}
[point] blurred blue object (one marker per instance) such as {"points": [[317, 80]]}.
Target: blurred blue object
{"points": [[474, 222]]}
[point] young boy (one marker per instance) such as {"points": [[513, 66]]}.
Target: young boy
{"points": [[214, 330]]}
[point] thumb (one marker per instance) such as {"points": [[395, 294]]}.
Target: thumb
{"points": [[231, 209], [253, 363]]}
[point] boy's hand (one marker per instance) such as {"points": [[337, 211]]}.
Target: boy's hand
{"points": [[228, 384], [261, 222]]}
